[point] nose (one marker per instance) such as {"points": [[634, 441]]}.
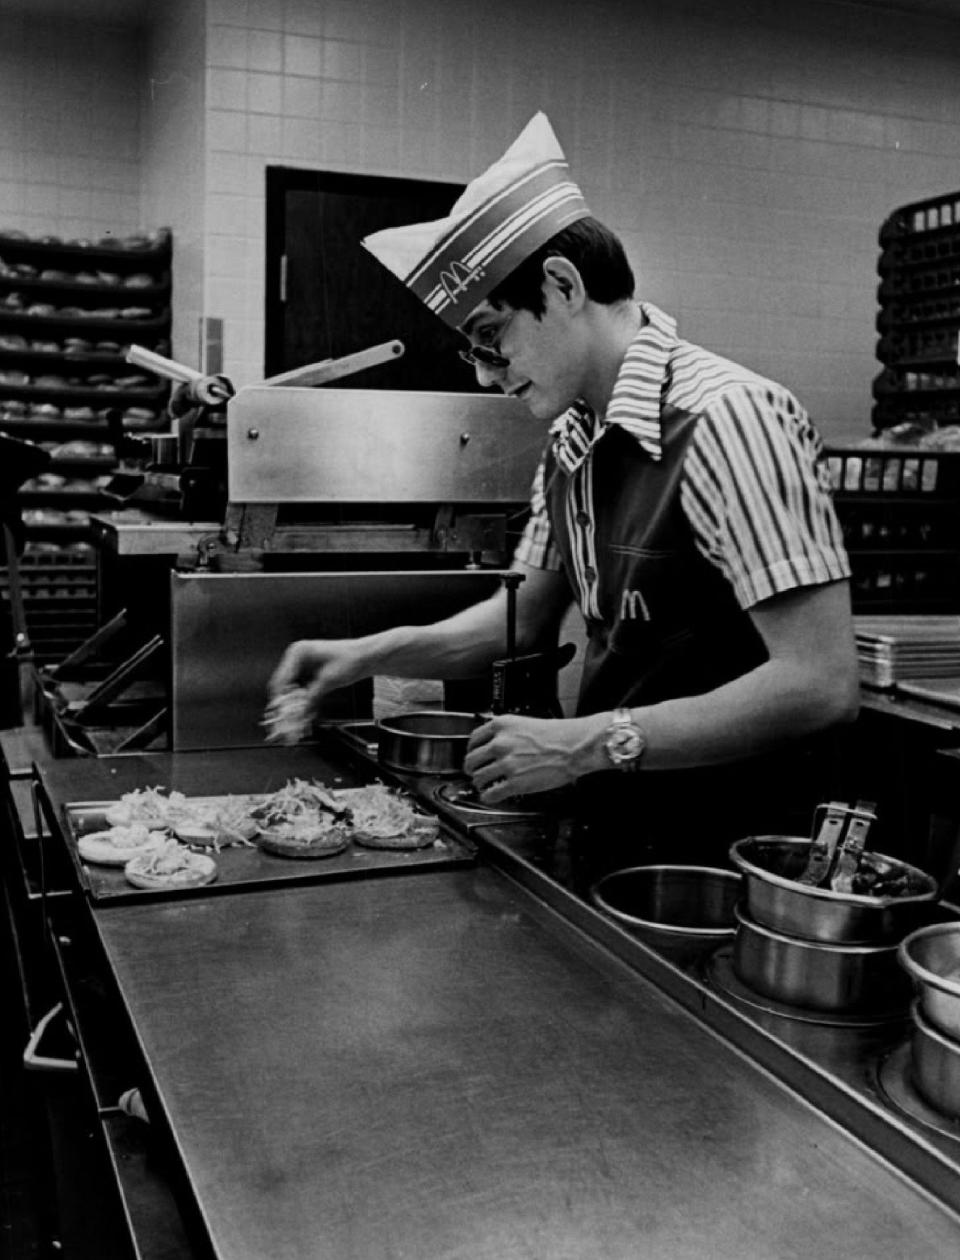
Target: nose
{"points": [[487, 376]]}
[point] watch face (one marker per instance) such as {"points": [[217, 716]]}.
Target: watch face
{"points": [[624, 744]]}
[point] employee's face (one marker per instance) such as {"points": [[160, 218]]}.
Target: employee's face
{"points": [[543, 366]]}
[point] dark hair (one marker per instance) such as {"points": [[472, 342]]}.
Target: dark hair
{"points": [[594, 250]]}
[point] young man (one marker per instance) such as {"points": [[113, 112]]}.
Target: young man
{"points": [[680, 502]]}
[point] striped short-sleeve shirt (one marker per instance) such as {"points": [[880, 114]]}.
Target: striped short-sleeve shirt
{"points": [[754, 486]]}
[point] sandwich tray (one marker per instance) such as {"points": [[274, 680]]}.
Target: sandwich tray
{"points": [[243, 868]]}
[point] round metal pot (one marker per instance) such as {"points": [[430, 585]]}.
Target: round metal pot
{"points": [[773, 898], [819, 976], [931, 957], [689, 901], [936, 1065], [425, 742]]}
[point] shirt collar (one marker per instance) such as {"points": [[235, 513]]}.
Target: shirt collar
{"points": [[635, 400]]}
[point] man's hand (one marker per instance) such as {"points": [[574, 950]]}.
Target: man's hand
{"points": [[318, 665], [308, 670], [516, 756]]}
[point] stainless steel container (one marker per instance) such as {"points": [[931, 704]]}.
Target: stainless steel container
{"points": [[160, 450], [936, 1065], [931, 958], [426, 742], [817, 975], [689, 901], [773, 898]]}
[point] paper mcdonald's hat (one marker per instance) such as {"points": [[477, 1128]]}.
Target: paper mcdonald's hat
{"points": [[501, 217]]}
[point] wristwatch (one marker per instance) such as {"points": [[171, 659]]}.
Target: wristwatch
{"points": [[624, 741]]}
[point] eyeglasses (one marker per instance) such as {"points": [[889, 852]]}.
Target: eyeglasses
{"points": [[488, 356]]}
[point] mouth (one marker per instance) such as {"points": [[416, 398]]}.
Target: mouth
{"points": [[520, 391]]}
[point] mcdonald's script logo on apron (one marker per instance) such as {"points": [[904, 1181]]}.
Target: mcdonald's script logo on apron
{"points": [[633, 607]]}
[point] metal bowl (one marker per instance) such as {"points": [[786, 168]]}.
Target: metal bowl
{"points": [[818, 975], [936, 1065], [931, 957], [686, 901], [426, 742], [771, 866]]}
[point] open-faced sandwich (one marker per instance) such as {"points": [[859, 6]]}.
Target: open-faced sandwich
{"points": [[383, 818], [217, 822], [170, 865], [117, 845], [154, 806], [302, 820]]}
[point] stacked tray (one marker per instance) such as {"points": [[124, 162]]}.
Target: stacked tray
{"points": [[892, 649]]}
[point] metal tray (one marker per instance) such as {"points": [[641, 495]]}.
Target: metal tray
{"points": [[241, 868]]}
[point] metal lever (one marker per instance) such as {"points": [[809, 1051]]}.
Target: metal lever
{"points": [[33, 1060], [110, 687], [209, 390], [21, 649], [333, 369], [852, 846], [824, 845], [90, 647]]}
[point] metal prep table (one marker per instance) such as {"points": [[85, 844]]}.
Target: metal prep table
{"points": [[439, 1066], [463, 1062]]}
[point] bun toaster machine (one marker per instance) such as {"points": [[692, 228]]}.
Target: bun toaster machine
{"points": [[344, 510]]}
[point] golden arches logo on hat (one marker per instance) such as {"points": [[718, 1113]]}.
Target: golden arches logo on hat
{"points": [[457, 279], [493, 241], [502, 217]]}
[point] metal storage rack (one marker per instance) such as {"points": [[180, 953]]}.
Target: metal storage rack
{"points": [[899, 504], [919, 316], [68, 310]]}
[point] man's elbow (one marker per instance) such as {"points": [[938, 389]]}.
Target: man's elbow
{"points": [[838, 697]]}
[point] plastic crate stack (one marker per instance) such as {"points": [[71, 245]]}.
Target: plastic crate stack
{"points": [[919, 317], [900, 513]]}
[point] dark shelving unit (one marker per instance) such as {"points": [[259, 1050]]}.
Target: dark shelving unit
{"points": [[68, 312]]}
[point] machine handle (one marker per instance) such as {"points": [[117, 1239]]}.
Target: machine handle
{"points": [[33, 1061], [333, 369], [203, 389]]}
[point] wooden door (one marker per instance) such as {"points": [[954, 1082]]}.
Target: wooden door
{"points": [[327, 296]]}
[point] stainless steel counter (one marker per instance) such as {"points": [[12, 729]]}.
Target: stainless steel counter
{"points": [[476, 1062], [441, 1066]]}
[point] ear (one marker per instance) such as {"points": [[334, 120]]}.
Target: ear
{"points": [[562, 280]]}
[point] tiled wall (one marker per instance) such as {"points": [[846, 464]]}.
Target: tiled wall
{"points": [[747, 160], [747, 151], [69, 127], [174, 159]]}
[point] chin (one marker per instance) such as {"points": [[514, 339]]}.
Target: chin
{"points": [[541, 408]]}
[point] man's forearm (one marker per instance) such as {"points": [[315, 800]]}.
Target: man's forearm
{"points": [[457, 647]]}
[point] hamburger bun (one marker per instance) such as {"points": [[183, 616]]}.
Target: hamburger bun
{"points": [[382, 818], [117, 845], [170, 867], [304, 839]]}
